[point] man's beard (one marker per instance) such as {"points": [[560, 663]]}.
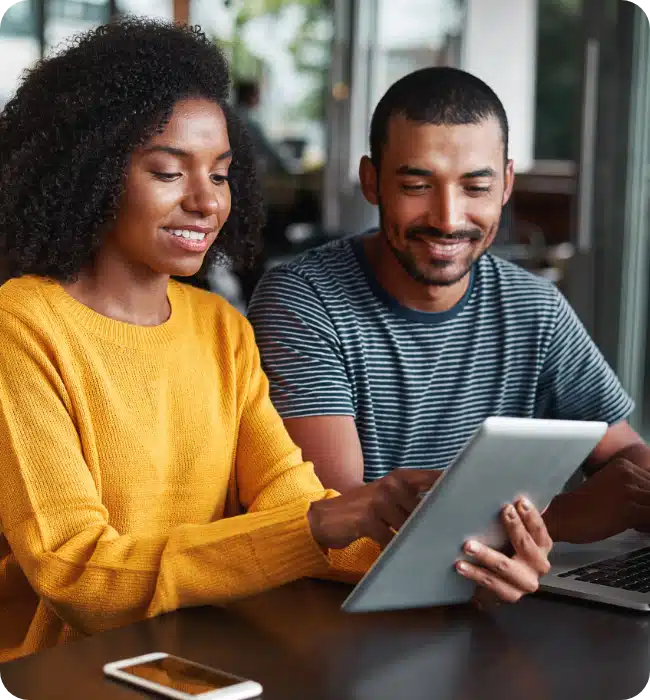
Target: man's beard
{"points": [[409, 262]]}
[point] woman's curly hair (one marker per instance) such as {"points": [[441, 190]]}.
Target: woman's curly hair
{"points": [[67, 135]]}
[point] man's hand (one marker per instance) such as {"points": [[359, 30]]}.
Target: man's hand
{"points": [[614, 499], [376, 510], [510, 578]]}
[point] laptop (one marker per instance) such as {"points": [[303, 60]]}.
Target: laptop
{"points": [[615, 571]]}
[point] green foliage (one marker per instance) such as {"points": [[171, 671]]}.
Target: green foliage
{"points": [[559, 71], [246, 65], [257, 8]]}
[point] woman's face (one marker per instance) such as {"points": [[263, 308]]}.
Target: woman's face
{"points": [[177, 195]]}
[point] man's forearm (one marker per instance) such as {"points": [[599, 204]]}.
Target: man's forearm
{"points": [[597, 509], [568, 519], [561, 516]]}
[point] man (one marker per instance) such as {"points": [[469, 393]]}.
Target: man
{"points": [[389, 349], [247, 100]]}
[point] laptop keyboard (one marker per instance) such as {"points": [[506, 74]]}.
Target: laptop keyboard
{"points": [[628, 572]]}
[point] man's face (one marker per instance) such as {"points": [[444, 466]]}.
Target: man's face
{"points": [[440, 192]]}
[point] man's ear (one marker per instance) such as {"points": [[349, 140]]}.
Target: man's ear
{"points": [[509, 181], [369, 180]]}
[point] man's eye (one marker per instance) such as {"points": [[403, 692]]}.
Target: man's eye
{"points": [[414, 188], [474, 188]]}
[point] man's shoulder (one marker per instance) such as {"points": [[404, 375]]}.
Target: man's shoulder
{"points": [[326, 272], [320, 265], [321, 285], [514, 284]]}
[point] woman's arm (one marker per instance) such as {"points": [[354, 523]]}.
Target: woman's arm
{"points": [[264, 440], [96, 578]]}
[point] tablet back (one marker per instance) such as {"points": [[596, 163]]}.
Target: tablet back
{"points": [[506, 458]]}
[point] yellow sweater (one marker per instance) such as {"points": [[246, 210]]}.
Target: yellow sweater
{"points": [[122, 450]]}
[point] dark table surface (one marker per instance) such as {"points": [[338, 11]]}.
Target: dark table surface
{"points": [[299, 646]]}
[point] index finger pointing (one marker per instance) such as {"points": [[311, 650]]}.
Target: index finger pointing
{"points": [[421, 479]]}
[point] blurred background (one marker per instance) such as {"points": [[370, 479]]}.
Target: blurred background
{"points": [[574, 76]]}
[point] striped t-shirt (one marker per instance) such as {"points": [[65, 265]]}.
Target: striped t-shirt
{"points": [[334, 342]]}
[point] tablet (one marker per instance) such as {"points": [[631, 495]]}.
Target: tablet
{"points": [[506, 458]]}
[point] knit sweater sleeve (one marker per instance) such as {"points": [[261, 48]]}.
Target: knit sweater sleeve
{"points": [[60, 532], [263, 440]]}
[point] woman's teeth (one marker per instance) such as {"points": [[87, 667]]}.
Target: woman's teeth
{"points": [[190, 235]]}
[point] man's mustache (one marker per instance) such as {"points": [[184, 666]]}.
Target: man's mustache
{"points": [[474, 234]]}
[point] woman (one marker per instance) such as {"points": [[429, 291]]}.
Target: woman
{"points": [[134, 416]]}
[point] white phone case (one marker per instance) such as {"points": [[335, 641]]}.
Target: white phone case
{"points": [[243, 690]]}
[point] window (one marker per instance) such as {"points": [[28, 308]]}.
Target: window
{"points": [[560, 57], [160, 9], [290, 72], [391, 40], [19, 45], [65, 18]]}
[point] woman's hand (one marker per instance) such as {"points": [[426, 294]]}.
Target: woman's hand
{"points": [[376, 510]]}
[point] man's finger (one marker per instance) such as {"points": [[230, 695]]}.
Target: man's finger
{"points": [[524, 545], [514, 572], [637, 475], [488, 580], [534, 523], [639, 497]]}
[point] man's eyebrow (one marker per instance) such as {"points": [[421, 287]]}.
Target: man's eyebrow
{"points": [[416, 172], [483, 172], [423, 172]]}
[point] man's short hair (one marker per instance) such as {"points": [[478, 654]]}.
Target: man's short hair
{"points": [[438, 95]]}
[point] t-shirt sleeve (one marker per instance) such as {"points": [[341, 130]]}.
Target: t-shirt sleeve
{"points": [[300, 348], [576, 382]]}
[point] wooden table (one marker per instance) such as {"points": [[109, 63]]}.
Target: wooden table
{"points": [[296, 642]]}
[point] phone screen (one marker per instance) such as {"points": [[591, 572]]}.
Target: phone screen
{"points": [[178, 674]]}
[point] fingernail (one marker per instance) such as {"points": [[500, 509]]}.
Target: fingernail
{"points": [[510, 512], [526, 505], [461, 566], [471, 547]]}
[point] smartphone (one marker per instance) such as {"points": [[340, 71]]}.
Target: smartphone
{"points": [[178, 678]]}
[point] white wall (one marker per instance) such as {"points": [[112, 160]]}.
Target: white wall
{"points": [[500, 47], [16, 55]]}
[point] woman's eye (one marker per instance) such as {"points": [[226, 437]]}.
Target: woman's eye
{"points": [[166, 177], [219, 179]]}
